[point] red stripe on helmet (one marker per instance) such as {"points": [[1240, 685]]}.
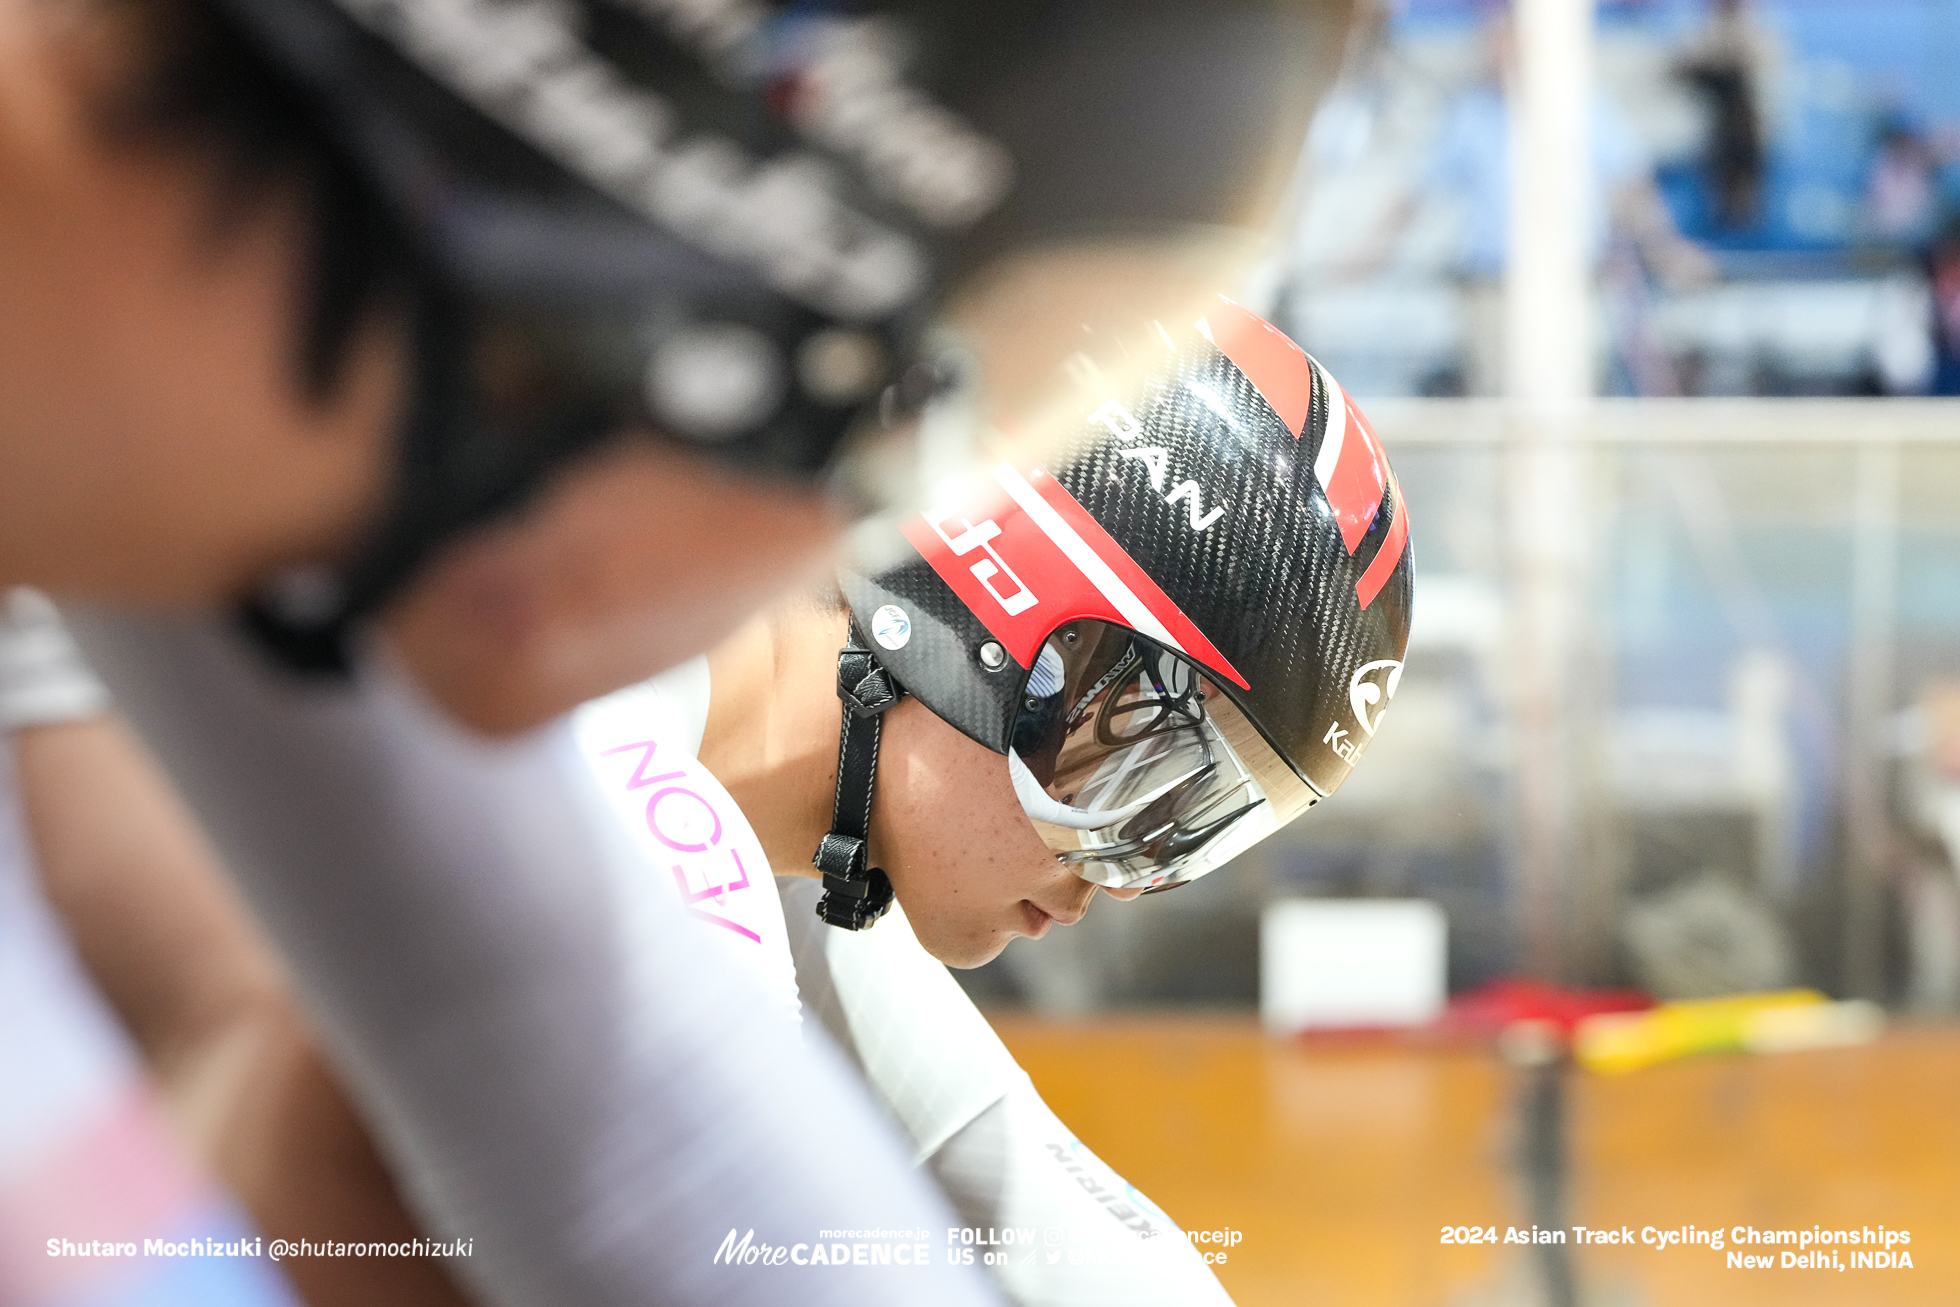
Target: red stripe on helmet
{"points": [[1389, 554], [1355, 490], [1038, 561], [1350, 466], [1004, 567], [1276, 367], [1183, 632]]}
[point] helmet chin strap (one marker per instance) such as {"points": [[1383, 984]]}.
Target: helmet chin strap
{"points": [[855, 893]]}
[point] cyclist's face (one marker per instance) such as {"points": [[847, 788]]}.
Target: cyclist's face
{"points": [[155, 444], [963, 857]]}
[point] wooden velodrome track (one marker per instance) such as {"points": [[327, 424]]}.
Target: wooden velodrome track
{"points": [[1341, 1163]]}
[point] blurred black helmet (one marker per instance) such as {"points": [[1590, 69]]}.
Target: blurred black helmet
{"points": [[1184, 629], [732, 221]]}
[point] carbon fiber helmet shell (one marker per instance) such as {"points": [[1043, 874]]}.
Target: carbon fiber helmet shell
{"points": [[1244, 513]]}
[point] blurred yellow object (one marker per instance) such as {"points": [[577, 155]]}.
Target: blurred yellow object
{"points": [[1780, 1021]]}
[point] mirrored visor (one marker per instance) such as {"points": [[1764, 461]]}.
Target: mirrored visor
{"points": [[1136, 767]]}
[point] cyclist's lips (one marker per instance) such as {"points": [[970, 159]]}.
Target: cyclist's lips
{"points": [[1039, 919]]}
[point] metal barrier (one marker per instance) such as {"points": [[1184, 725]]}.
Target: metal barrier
{"points": [[1818, 533]]}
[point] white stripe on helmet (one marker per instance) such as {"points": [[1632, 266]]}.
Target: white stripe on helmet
{"points": [[1335, 437], [1083, 555]]}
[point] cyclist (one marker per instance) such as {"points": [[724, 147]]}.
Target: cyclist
{"points": [[1116, 676], [509, 233]]}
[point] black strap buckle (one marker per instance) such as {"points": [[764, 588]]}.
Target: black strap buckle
{"points": [[856, 893], [863, 683]]}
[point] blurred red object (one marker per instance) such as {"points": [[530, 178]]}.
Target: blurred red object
{"points": [[1484, 1012]]}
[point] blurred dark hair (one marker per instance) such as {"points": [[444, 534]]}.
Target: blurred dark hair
{"points": [[201, 85]]}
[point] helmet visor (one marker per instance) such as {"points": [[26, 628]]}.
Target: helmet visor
{"points": [[1135, 766]]}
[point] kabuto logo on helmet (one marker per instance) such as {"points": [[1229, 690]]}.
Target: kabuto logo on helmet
{"points": [[1364, 693]]}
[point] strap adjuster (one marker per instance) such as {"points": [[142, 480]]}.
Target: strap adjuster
{"points": [[864, 685], [844, 861], [848, 913], [856, 893]]}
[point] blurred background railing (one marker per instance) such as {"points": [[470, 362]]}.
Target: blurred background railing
{"points": [[1756, 733], [1652, 303]]}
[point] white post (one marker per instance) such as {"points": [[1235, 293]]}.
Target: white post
{"points": [[1548, 307], [1872, 686], [1548, 370]]}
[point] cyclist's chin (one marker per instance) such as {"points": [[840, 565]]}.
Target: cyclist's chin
{"points": [[965, 909]]}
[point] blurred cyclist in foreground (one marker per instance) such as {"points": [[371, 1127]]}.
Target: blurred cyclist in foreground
{"points": [[364, 316]]}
